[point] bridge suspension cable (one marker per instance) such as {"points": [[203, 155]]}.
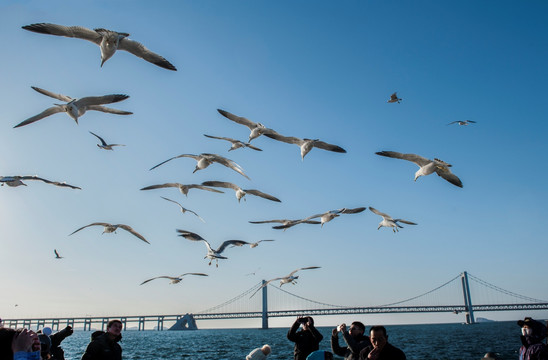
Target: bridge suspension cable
{"points": [[303, 298], [228, 302], [501, 290]]}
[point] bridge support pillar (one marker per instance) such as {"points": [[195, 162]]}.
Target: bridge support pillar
{"points": [[87, 324], [265, 307], [468, 309], [141, 323], [186, 322], [160, 326], [124, 322], [55, 324]]}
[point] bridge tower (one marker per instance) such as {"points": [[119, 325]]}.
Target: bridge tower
{"points": [[469, 311], [265, 306]]}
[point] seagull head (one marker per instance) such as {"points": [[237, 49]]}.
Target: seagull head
{"points": [[108, 46]]}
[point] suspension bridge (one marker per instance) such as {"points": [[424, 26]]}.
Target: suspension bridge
{"points": [[454, 296]]}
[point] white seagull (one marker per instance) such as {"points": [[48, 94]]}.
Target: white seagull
{"points": [[183, 188], [14, 181], [394, 98], [211, 253], [426, 166], [57, 256], [291, 278], [183, 209], [460, 122], [306, 144], [104, 145], [109, 41], [257, 129], [77, 107], [388, 221], [111, 228], [240, 193], [324, 217], [173, 279], [204, 160], [236, 144]]}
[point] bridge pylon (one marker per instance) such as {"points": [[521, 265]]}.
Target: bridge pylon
{"points": [[468, 309], [265, 307]]}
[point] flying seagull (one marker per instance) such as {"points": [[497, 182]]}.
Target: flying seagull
{"points": [[204, 160], [104, 145], [291, 278], [211, 253], [286, 222], [57, 256], [183, 188], [460, 122], [388, 221], [109, 41], [183, 209], [240, 193], [16, 180], [394, 98], [324, 217], [173, 279], [426, 166], [236, 144], [306, 144], [111, 228], [77, 107], [257, 129], [255, 244]]}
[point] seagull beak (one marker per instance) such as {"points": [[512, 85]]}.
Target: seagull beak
{"points": [[102, 62]]}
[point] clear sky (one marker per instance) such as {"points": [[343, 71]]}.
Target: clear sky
{"points": [[310, 69]]}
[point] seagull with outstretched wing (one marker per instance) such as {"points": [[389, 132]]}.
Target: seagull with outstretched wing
{"points": [[240, 193], [173, 279], [111, 228], [204, 160], [388, 221], [460, 122], [183, 188], [257, 129], [306, 144], [394, 99], [212, 254], [14, 181], [236, 144], [104, 145], [291, 278], [57, 256], [324, 217], [183, 209]]}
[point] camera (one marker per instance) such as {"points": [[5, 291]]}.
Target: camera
{"points": [[302, 320]]}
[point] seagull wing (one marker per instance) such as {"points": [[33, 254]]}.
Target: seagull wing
{"points": [[471, 121], [194, 186], [240, 120], [222, 184], [325, 146], [43, 114], [68, 31], [453, 122], [352, 211], [195, 157], [228, 163], [227, 243], [268, 221], [286, 139], [419, 160], [56, 253], [92, 224], [386, 216], [405, 222], [263, 285], [108, 110], [100, 138], [141, 51], [262, 194], [173, 201], [394, 96], [160, 277], [252, 147], [130, 229], [221, 138], [159, 186], [445, 173], [191, 236], [56, 183], [99, 100], [305, 268], [64, 98], [198, 274]]}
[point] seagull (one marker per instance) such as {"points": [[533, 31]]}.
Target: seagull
{"points": [[460, 122], [211, 253], [287, 223], [77, 107], [204, 160], [257, 129], [255, 244], [174, 279], [104, 145], [427, 167], [388, 221], [286, 279], [111, 228], [236, 144], [394, 98], [306, 144], [183, 209], [324, 217], [109, 41], [57, 256], [183, 188], [240, 193], [14, 181]]}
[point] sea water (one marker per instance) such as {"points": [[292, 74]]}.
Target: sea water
{"points": [[419, 342]]}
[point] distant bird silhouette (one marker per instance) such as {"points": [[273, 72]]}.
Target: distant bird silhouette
{"points": [[240, 193], [57, 254], [104, 145], [212, 254], [109, 41], [111, 228], [204, 160], [182, 187], [394, 99], [77, 107], [236, 144], [388, 221], [324, 217], [183, 209], [306, 144], [460, 122], [14, 181], [426, 166], [257, 129], [291, 278], [173, 279]]}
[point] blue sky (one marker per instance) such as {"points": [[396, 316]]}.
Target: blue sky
{"points": [[306, 69]]}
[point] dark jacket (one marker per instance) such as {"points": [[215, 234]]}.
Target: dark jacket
{"points": [[388, 352], [353, 348], [56, 351], [533, 348], [103, 348], [306, 341]]}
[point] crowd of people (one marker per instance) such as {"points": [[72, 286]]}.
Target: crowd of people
{"points": [[24, 344]]}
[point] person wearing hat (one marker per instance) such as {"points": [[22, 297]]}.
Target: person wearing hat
{"points": [[532, 334]]}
